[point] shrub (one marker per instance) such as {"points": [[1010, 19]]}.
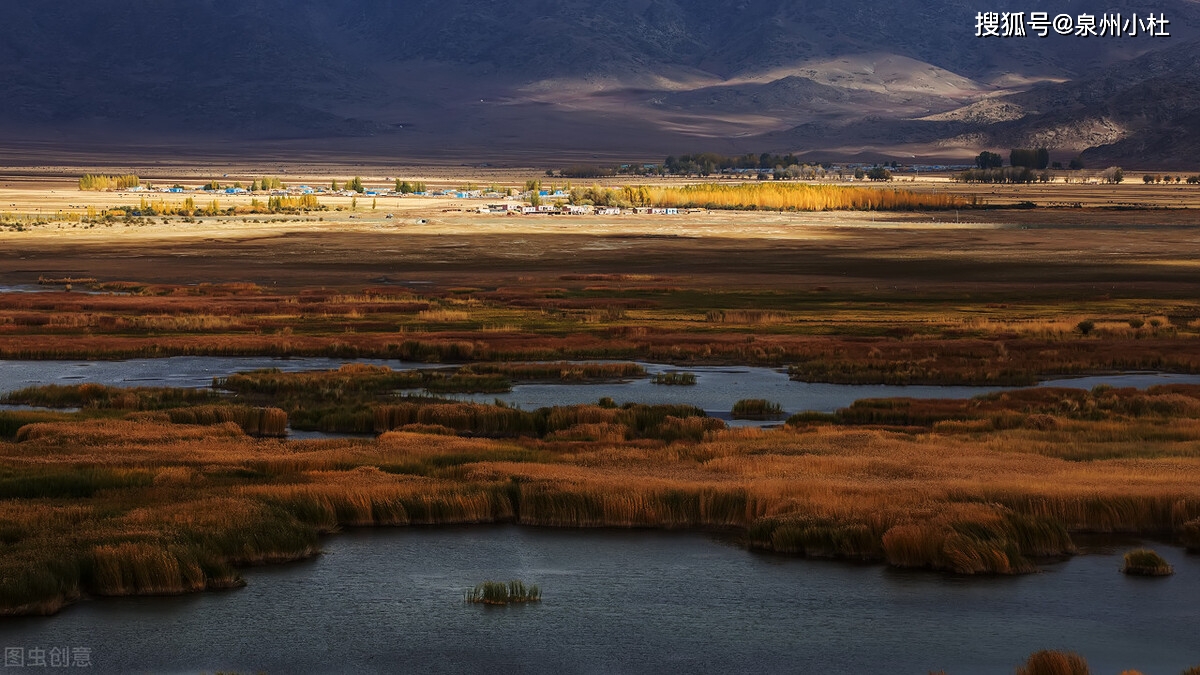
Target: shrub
{"points": [[1048, 662], [1146, 563], [1190, 535], [756, 409]]}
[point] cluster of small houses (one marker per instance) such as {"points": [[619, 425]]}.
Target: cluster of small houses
{"points": [[280, 192], [510, 205], [571, 209]]}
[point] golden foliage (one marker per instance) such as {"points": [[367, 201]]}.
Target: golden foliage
{"points": [[138, 506], [101, 182], [796, 197], [1054, 663]]}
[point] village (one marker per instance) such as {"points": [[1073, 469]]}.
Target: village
{"points": [[553, 201]]}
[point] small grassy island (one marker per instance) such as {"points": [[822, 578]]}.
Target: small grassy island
{"points": [[500, 593], [675, 378], [756, 409], [1146, 563]]}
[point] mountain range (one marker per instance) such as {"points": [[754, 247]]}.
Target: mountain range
{"points": [[495, 80]]}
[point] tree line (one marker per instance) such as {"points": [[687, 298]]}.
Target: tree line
{"points": [[707, 163], [1159, 178], [407, 188], [1037, 159]]}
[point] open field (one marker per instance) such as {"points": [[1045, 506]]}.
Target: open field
{"points": [[156, 492], [44, 191]]}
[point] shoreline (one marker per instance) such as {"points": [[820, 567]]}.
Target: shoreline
{"points": [[729, 535]]}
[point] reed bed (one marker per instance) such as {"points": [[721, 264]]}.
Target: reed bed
{"points": [[144, 505], [11, 421], [500, 593], [664, 422], [99, 396], [611, 506], [1042, 409], [1189, 534], [467, 383], [751, 317], [349, 378], [1146, 563], [913, 353], [254, 421], [336, 501], [675, 379], [444, 315], [854, 338], [1049, 662], [756, 409]]}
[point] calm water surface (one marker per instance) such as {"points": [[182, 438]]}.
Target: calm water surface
{"points": [[716, 388], [631, 602]]}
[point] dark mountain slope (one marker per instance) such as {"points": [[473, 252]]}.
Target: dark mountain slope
{"points": [[457, 76]]}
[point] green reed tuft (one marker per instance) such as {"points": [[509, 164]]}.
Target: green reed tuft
{"points": [[500, 593]]}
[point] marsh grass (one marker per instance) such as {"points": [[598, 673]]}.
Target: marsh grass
{"points": [[254, 421], [664, 422], [67, 482], [1049, 662], [444, 315], [1146, 563], [978, 541], [500, 593], [752, 317], [11, 421], [1042, 409], [830, 342], [347, 379], [99, 396], [346, 400], [756, 409], [138, 505], [466, 383], [675, 378], [1189, 535], [820, 537]]}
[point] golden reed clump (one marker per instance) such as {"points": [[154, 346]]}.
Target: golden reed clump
{"points": [[1049, 662]]}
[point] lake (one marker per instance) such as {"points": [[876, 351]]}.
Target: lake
{"points": [[617, 601]]}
